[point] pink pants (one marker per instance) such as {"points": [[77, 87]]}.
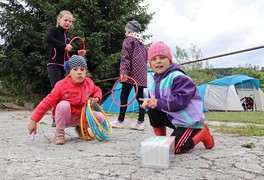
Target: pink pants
{"points": [[64, 117]]}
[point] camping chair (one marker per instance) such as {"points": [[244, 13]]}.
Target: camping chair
{"points": [[247, 103]]}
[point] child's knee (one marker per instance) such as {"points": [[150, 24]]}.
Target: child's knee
{"points": [[63, 106], [99, 116]]}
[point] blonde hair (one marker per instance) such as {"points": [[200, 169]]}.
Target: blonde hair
{"points": [[61, 14]]}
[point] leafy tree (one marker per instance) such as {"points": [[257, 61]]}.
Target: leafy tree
{"points": [[25, 23], [222, 72], [200, 72]]}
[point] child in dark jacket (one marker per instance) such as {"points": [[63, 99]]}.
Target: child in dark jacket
{"points": [[69, 96], [133, 64], [174, 102], [58, 39]]}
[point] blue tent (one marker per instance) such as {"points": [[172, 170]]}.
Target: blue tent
{"points": [[240, 80], [109, 106], [227, 93]]}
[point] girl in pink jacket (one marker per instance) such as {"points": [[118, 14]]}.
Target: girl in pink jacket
{"points": [[69, 96]]}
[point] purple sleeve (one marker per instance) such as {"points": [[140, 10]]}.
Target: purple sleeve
{"points": [[182, 91]]}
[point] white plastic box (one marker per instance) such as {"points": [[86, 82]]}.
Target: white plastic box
{"points": [[158, 151]]}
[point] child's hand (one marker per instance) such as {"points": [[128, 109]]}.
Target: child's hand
{"points": [[81, 52], [32, 127], [152, 102], [68, 47], [94, 101], [123, 78], [144, 105]]}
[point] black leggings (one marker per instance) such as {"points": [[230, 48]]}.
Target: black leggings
{"points": [[56, 73], [183, 136], [126, 88]]}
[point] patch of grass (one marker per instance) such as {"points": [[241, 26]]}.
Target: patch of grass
{"points": [[252, 117], [241, 117], [249, 145], [249, 130], [128, 115], [133, 115]]}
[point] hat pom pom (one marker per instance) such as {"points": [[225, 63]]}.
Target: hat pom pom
{"points": [[67, 66]]}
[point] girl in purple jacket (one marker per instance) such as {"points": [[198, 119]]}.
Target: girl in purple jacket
{"points": [[175, 102]]}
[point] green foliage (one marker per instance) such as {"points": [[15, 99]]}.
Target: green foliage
{"points": [[222, 72], [200, 72], [24, 25]]}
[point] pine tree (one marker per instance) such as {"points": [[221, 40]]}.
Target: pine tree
{"points": [[100, 23]]}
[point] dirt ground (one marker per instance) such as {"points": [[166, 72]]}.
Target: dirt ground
{"points": [[120, 156]]}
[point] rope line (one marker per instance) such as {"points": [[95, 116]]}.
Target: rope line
{"points": [[204, 59], [106, 79], [221, 55]]}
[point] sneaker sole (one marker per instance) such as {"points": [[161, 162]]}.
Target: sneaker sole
{"points": [[59, 143]]}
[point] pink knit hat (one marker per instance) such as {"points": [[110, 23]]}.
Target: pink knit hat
{"points": [[159, 48]]}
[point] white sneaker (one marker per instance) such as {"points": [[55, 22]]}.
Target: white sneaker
{"points": [[137, 126], [116, 124]]}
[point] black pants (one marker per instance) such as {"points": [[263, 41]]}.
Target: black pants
{"points": [[55, 74], [126, 88], [183, 136]]}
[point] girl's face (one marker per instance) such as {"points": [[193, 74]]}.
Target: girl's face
{"points": [[78, 74], [66, 21], [160, 64]]}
